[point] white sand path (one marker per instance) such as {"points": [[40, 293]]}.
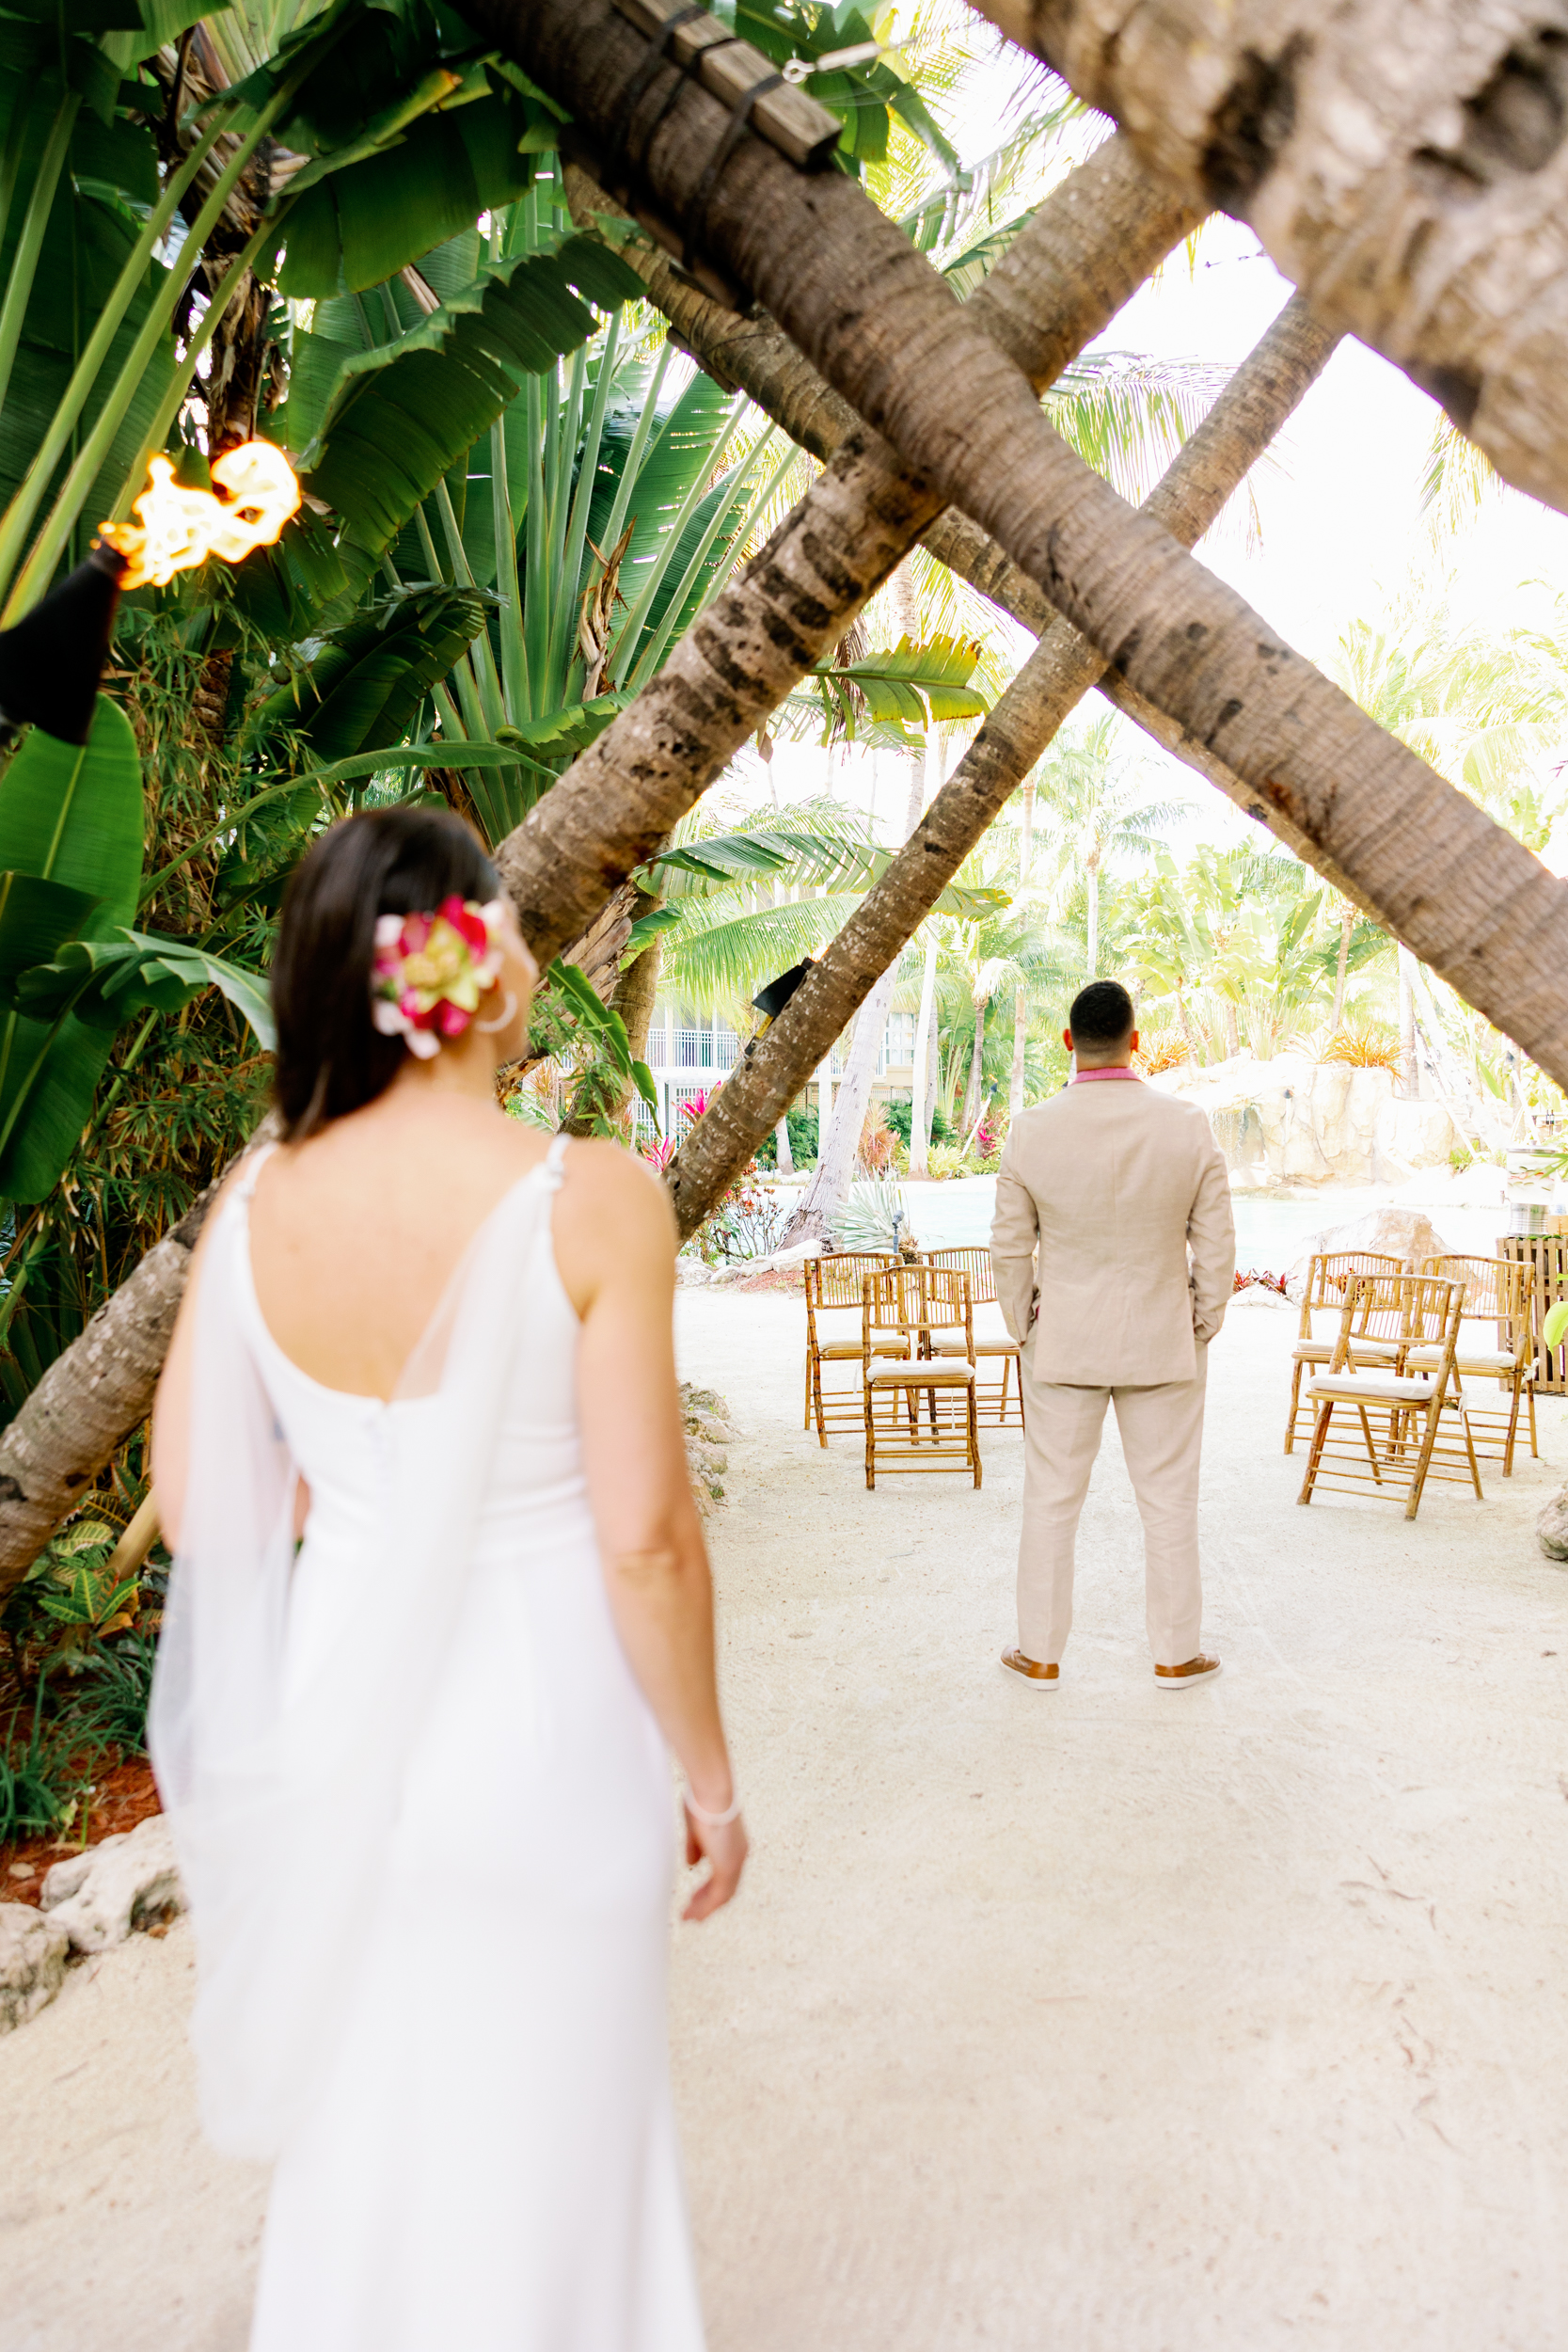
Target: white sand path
{"points": [[1100, 2020]]}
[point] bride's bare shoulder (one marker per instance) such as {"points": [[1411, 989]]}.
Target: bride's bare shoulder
{"points": [[612, 1200]]}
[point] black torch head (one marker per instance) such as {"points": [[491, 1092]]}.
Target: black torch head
{"points": [[51, 661], [771, 1000]]}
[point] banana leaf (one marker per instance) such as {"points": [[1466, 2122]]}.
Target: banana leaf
{"points": [[70, 814], [364, 688], [102, 981], [400, 417]]}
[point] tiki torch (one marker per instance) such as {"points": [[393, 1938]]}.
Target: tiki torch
{"points": [[51, 661]]}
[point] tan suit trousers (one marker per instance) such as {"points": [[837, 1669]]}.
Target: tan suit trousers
{"points": [[1162, 1436]]}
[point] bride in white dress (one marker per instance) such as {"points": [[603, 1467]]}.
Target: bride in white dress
{"points": [[440, 1607]]}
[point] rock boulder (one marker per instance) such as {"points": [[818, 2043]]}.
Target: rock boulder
{"points": [[128, 1882], [33, 1950], [1551, 1528], [1299, 1121]]}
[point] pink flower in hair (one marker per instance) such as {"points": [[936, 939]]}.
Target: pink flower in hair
{"points": [[431, 970]]}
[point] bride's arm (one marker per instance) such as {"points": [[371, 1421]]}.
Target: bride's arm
{"points": [[615, 1245]]}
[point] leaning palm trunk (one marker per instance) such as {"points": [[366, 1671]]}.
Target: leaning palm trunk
{"points": [[840, 1138], [1021, 1038], [829, 1189], [920, 1103], [882, 328], [1060, 671], [1402, 161], [1096, 238]]}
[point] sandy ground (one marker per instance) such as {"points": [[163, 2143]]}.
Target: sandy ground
{"points": [[1100, 2018]]}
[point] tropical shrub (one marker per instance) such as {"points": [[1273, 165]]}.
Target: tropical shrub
{"points": [[1163, 1048], [877, 1144], [873, 1218], [899, 1114], [1366, 1047]]}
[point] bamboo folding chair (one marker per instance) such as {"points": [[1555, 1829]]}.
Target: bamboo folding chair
{"points": [[1497, 1290], [1321, 1305], [834, 1287], [990, 1342], [920, 1412], [1410, 1313]]}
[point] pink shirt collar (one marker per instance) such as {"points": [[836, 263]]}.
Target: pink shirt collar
{"points": [[1118, 1069]]}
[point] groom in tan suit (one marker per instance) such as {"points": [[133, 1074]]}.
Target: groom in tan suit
{"points": [[1123, 1191]]}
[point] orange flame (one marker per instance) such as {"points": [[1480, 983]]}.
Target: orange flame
{"points": [[179, 528]]}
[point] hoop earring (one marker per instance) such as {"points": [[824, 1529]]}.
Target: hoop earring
{"points": [[502, 1020]]}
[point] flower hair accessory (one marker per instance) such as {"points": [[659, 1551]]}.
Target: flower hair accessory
{"points": [[431, 971]]}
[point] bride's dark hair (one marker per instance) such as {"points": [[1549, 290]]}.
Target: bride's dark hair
{"points": [[331, 1059]]}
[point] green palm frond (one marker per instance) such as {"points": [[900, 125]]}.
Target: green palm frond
{"points": [[1128, 416]]}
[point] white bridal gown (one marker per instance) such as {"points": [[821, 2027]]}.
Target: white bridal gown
{"points": [[425, 1817]]}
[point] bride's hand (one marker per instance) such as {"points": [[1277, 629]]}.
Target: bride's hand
{"points": [[723, 1847]]}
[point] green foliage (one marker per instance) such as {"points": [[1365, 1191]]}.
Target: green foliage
{"points": [[69, 1601], [873, 1218], [43, 1777], [596, 1037], [899, 1115], [70, 814]]}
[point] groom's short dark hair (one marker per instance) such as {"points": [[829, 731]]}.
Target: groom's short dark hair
{"points": [[1102, 1014]]}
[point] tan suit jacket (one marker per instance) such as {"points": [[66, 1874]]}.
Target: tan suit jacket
{"points": [[1117, 1183]]}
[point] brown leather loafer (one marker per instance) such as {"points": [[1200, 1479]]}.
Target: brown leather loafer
{"points": [[1199, 1669], [1030, 1669]]}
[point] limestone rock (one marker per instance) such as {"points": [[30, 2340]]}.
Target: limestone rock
{"points": [[705, 1419], [1300, 1121], [1551, 1528], [33, 1953], [1405, 1233], [131, 1881], [65, 1879]]}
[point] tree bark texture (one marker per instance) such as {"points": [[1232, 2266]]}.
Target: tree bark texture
{"points": [[1099, 236], [1060, 671], [839, 1141], [883, 330], [1404, 162], [921, 1092], [754, 355]]}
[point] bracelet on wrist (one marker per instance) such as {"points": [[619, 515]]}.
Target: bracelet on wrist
{"points": [[713, 1820]]}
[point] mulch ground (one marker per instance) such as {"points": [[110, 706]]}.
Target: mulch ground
{"points": [[123, 1795]]}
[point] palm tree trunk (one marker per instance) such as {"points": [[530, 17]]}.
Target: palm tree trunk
{"points": [[1347, 924], [977, 1058], [1360, 152], [1257, 401], [1021, 1038], [1469, 898], [1409, 1067], [786, 1156], [836, 1161], [1184, 1017], [920, 1105], [1093, 951]]}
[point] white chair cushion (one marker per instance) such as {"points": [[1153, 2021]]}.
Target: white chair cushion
{"points": [[926, 1376], [1362, 1350], [1373, 1388], [836, 1351], [1467, 1360], [982, 1347]]}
